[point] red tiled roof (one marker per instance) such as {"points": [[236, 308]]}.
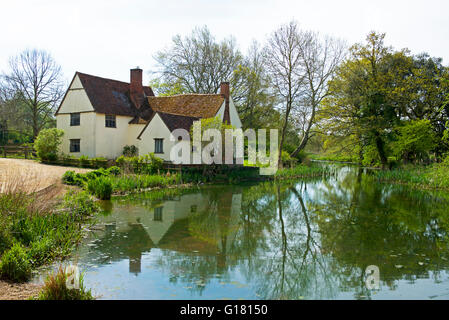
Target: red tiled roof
{"points": [[192, 105], [109, 96]]}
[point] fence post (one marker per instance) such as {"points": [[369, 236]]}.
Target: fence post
{"points": [[25, 151], [4, 152]]}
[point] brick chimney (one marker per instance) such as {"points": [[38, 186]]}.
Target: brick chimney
{"points": [[135, 87], [224, 91]]}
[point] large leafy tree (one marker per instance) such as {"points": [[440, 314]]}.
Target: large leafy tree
{"points": [[362, 104], [378, 91]]}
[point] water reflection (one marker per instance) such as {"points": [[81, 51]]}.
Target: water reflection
{"points": [[299, 240]]}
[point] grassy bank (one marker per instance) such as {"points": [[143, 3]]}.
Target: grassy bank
{"points": [[104, 183], [35, 230], [435, 176], [301, 171]]}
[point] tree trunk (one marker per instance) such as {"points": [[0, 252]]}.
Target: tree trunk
{"points": [[302, 145], [281, 144], [305, 138], [381, 150]]}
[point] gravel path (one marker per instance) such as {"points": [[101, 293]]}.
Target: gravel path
{"points": [[33, 175], [18, 291]]}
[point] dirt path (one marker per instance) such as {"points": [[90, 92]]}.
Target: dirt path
{"points": [[34, 176], [18, 291]]}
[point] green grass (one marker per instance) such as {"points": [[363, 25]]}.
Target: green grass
{"points": [[33, 234], [55, 288], [435, 176], [127, 183], [301, 171]]}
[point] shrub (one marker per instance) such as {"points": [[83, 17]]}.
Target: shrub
{"points": [[55, 288], [15, 264], [130, 151], [69, 178], [41, 250], [80, 203], [148, 164], [101, 187], [47, 143], [6, 240], [114, 170]]}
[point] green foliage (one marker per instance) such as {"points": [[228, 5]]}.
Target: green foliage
{"points": [[47, 144], [146, 164], [287, 160], [164, 89], [80, 203], [301, 171], [380, 96], [138, 182], [42, 234], [15, 264], [55, 288], [130, 151], [371, 156], [101, 187], [435, 176], [114, 170], [84, 161], [415, 139]]}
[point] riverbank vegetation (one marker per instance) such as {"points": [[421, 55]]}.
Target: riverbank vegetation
{"points": [[435, 176], [36, 229], [55, 288], [386, 107]]}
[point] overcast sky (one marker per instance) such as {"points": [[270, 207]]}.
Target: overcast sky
{"points": [[107, 38]]}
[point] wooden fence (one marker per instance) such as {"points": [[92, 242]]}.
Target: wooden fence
{"points": [[16, 150]]}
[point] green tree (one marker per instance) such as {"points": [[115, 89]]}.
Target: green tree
{"points": [[48, 142], [415, 139], [362, 103]]}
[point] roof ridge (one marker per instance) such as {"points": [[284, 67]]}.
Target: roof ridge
{"points": [[188, 94], [102, 78]]}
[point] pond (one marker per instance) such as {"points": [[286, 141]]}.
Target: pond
{"points": [[311, 239]]}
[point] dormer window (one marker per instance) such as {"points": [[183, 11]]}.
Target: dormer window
{"points": [[110, 121]]}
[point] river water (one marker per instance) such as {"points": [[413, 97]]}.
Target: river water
{"points": [[304, 239]]}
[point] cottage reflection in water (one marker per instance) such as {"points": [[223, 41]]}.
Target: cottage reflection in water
{"points": [[133, 226]]}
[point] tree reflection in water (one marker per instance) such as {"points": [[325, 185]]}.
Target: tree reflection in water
{"points": [[292, 240]]}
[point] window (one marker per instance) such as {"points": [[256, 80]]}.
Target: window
{"points": [[158, 145], [158, 214], [110, 121], [74, 145], [75, 119]]}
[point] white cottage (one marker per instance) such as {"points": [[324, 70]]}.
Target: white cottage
{"points": [[100, 116]]}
